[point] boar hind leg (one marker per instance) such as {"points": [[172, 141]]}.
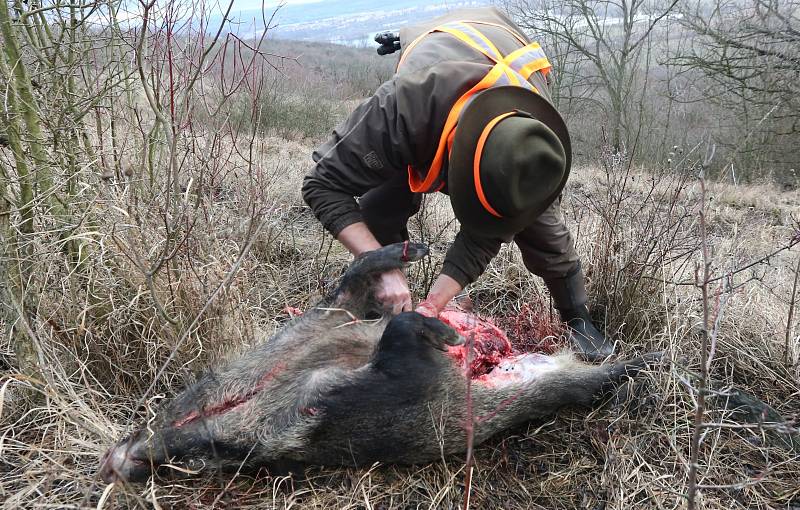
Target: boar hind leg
{"points": [[557, 383], [601, 382], [586, 384], [355, 292], [629, 368]]}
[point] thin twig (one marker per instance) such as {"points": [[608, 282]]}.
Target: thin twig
{"points": [[789, 319], [470, 424], [700, 406]]}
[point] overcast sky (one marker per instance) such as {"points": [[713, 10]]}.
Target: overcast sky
{"points": [[256, 4]]}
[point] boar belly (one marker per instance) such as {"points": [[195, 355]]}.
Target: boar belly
{"points": [[519, 369]]}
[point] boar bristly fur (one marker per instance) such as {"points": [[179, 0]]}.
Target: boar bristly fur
{"points": [[347, 384]]}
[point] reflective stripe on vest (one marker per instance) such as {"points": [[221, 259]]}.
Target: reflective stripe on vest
{"points": [[512, 69]]}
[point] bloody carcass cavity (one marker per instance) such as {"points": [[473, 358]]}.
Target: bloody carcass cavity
{"points": [[534, 328], [293, 311], [488, 344]]}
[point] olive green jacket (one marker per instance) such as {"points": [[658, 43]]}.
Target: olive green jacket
{"points": [[400, 126]]}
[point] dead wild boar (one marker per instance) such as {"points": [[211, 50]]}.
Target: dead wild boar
{"points": [[346, 384]]}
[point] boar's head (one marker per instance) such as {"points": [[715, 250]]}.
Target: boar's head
{"points": [[204, 422]]}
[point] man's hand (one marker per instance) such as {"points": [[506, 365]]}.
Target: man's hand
{"points": [[393, 291], [392, 288], [444, 289], [427, 309]]}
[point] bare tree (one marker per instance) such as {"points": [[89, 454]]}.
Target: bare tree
{"points": [[749, 52], [101, 107], [601, 45], [43, 62]]}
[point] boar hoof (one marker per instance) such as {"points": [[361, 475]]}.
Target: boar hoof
{"points": [[633, 366]]}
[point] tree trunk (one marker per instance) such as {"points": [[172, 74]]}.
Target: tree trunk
{"points": [[14, 247]]}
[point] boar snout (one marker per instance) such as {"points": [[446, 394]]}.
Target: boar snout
{"points": [[127, 461]]}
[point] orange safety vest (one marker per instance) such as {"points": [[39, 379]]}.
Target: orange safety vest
{"points": [[512, 69]]}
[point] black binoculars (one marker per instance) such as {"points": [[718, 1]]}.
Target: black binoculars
{"points": [[389, 42]]}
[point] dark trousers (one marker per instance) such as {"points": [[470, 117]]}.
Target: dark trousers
{"points": [[387, 208], [546, 245]]}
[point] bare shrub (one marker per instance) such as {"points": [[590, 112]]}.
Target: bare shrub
{"points": [[632, 227]]}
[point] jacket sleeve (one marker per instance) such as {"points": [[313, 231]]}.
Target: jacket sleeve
{"points": [[367, 150], [468, 257]]}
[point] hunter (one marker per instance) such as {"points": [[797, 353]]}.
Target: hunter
{"points": [[467, 113]]}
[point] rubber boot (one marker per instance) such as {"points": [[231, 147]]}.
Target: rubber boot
{"points": [[569, 296]]}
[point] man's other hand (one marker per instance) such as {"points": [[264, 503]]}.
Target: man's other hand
{"points": [[393, 291], [427, 309], [443, 290]]}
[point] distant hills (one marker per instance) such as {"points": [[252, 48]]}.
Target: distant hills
{"points": [[351, 22]]}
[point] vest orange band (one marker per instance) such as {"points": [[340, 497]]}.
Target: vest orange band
{"points": [[476, 165], [424, 186], [512, 69]]}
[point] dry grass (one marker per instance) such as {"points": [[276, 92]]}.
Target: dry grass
{"points": [[104, 348]]}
